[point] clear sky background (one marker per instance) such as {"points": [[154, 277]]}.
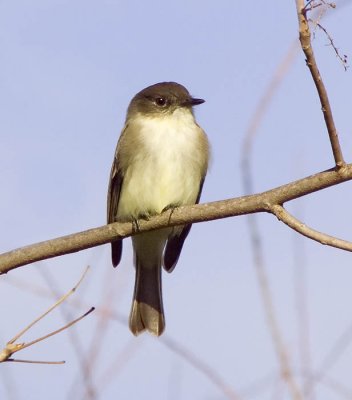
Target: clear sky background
{"points": [[68, 70]]}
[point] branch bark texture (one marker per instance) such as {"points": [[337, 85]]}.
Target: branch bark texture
{"points": [[262, 202], [306, 43]]}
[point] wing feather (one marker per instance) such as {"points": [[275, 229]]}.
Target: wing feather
{"points": [[114, 191], [175, 243]]}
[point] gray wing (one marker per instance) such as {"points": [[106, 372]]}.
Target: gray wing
{"points": [[114, 191], [175, 243]]}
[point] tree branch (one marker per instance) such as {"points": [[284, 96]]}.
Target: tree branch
{"points": [[305, 39], [288, 219], [262, 202]]}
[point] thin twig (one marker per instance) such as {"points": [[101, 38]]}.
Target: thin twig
{"points": [[192, 359], [283, 215], [35, 362], [12, 347], [57, 303], [72, 333], [58, 330], [343, 58], [305, 39]]}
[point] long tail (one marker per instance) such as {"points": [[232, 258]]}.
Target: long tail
{"points": [[147, 306]]}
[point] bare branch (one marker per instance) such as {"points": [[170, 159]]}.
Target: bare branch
{"points": [[58, 330], [343, 58], [195, 213], [12, 347], [283, 215], [192, 359], [305, 39], [71, 333], [56, 304], [36, 362]]}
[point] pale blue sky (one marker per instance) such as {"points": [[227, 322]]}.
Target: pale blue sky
{"points": [[68, 71]]}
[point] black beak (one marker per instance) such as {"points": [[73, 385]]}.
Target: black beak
{"points": [[190, 102], [195, 102]]}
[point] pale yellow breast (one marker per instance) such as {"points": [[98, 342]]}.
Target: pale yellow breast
{"points": [[166, 167]]}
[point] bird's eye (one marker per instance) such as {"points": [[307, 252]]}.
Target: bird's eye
{"points": [[160, 101]]}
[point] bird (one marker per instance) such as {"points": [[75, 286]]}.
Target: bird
{"points": [[160, 163]]}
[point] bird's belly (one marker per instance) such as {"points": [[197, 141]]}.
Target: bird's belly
{"points": [[150, 185]]}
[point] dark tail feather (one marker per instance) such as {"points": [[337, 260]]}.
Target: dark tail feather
{"points": [[116, 250], [173, 248], [147, 307]]}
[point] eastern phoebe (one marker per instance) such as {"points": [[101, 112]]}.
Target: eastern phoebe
{"points": [[160, 162]]}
